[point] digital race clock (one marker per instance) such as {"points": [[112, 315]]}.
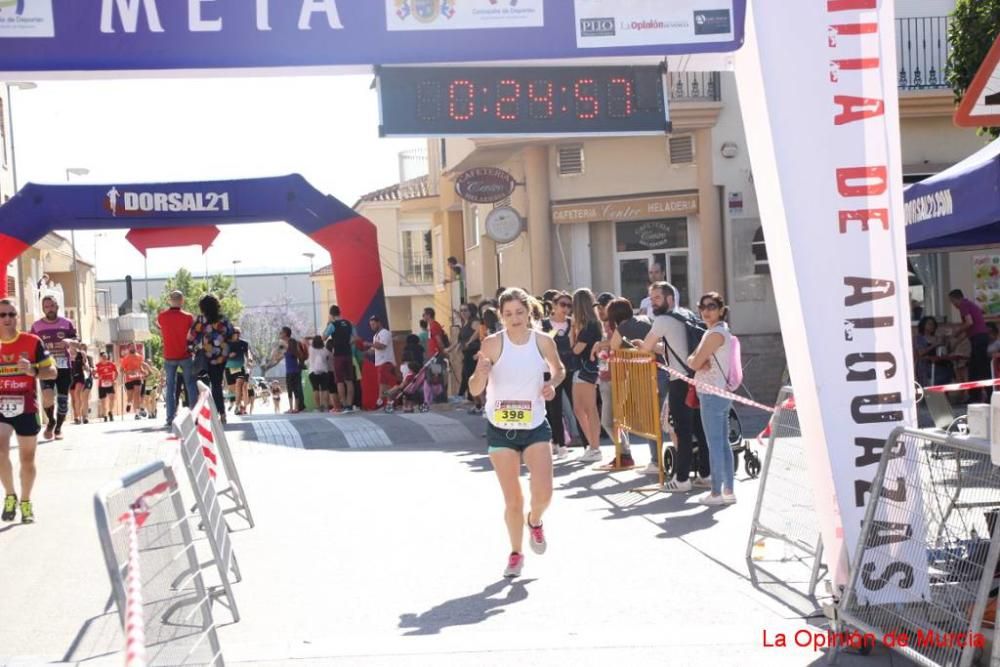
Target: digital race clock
{"points": [[490, 101]]}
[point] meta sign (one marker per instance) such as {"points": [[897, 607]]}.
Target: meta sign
{"points": [[76, 38]]}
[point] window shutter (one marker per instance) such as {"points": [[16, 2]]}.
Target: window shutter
{"points": [[11, 286], [681, 148], [570, 160]]}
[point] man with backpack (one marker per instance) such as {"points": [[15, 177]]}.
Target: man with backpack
{"points": [[679, 331], [341, 331]]}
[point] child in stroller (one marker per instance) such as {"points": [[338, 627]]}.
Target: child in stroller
{"points": [[420, 386]]}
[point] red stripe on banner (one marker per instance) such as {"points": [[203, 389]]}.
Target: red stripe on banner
{"points": [[960, 386]]}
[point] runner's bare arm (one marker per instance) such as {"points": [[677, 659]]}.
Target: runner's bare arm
{"points": [[706, 348], [487, 356], [551, 355], [47, 370]]}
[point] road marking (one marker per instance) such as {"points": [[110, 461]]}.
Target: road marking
{"points": [[441, 428], [277, 432], [361, 433]]}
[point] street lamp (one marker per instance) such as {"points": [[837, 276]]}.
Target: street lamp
{"points": [[312, 282], [19, 85], [235, 262], [79, 171]]}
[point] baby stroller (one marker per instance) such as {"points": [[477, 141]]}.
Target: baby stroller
{"points": [[419, 389], [739, 445]]}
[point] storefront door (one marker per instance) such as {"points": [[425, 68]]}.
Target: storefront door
{"points": [[642, 246]]}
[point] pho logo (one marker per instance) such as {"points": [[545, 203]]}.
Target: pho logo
{"points": [[599, 27]]}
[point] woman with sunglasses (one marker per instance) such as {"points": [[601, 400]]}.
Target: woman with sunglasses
{"points": [[710, 362], [558, 326]]}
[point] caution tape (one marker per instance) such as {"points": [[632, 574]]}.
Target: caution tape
{"points": [[961, 386], [135, 629], [203, 424], [712, 389]]}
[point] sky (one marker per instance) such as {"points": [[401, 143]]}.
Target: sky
{"points": [[134, 131]]}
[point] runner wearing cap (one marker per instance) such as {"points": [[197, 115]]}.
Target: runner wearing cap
{"points": [[57, 333], [23, 358], [511, 366]]}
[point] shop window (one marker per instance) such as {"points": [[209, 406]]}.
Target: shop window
{"points": [[759, 249], [570, 160]]}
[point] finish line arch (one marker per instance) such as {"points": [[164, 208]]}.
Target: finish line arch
{"points": [[350, 239]]}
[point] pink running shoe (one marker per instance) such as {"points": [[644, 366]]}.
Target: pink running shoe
{"points": [[514, 564], [537, 537]]}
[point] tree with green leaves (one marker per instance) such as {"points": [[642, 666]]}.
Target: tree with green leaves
{"points": [[973, 28], [193, 288]]}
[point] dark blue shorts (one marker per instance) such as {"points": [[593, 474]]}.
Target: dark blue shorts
{"points": [[517, 439]]}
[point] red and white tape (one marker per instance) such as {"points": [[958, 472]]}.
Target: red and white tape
{"points": [[712, 389], [135, 628], [961, 386]]}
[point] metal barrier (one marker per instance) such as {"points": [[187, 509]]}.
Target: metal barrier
{"points": [[213, 436], [960, 489], [177, 610], [784, 513], [207, 502], [635, 401]]}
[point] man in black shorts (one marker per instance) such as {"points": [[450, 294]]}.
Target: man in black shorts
{"points": [[23, 359], [58, 334]]}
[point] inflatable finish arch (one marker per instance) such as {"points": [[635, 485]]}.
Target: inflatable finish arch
{"points": [[350, 238]]}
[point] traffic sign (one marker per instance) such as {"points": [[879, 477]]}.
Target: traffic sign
{"points": [[980, 107]]}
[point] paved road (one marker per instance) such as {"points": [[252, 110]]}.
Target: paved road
{"points": [[379, 540]]}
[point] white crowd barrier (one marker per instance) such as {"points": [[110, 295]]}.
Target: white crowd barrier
{"points": [[163, 604]]}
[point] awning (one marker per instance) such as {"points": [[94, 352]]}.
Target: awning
{"points": [[959, 206]]}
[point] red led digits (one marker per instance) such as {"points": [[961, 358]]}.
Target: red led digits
{"points": [[587, 106], [620, 97], [507, 103], [541, 104], [461, 100]]}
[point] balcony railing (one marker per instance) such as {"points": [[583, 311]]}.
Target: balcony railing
{"points": [[694, 86], [418, 269], [922, 52]]}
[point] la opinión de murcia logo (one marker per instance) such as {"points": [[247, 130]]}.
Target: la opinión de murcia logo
{"points": [[137, 203]]}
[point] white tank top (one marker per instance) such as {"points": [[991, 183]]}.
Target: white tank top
{"points": [[514, 392]]}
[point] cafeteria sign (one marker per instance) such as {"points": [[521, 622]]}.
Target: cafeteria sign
{"points": [[627, 210]]}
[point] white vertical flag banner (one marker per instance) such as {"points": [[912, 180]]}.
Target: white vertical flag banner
{"points": [[817, 86]]}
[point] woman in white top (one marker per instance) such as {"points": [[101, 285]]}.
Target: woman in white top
{"points": [[710, 362], [511, 367], [319, 362]]}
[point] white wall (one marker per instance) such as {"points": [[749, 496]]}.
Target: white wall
{"points": [[911, 8], [751, 297]]}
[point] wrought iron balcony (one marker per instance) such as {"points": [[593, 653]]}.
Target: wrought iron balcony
{"points": [[694, 86], [922, 52]]}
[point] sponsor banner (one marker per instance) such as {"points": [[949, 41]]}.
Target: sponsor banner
{"points": [[627, 210], [932, 205], [610, 23], [26, 18], [463, 14], [78, 37], [822, 130]]}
